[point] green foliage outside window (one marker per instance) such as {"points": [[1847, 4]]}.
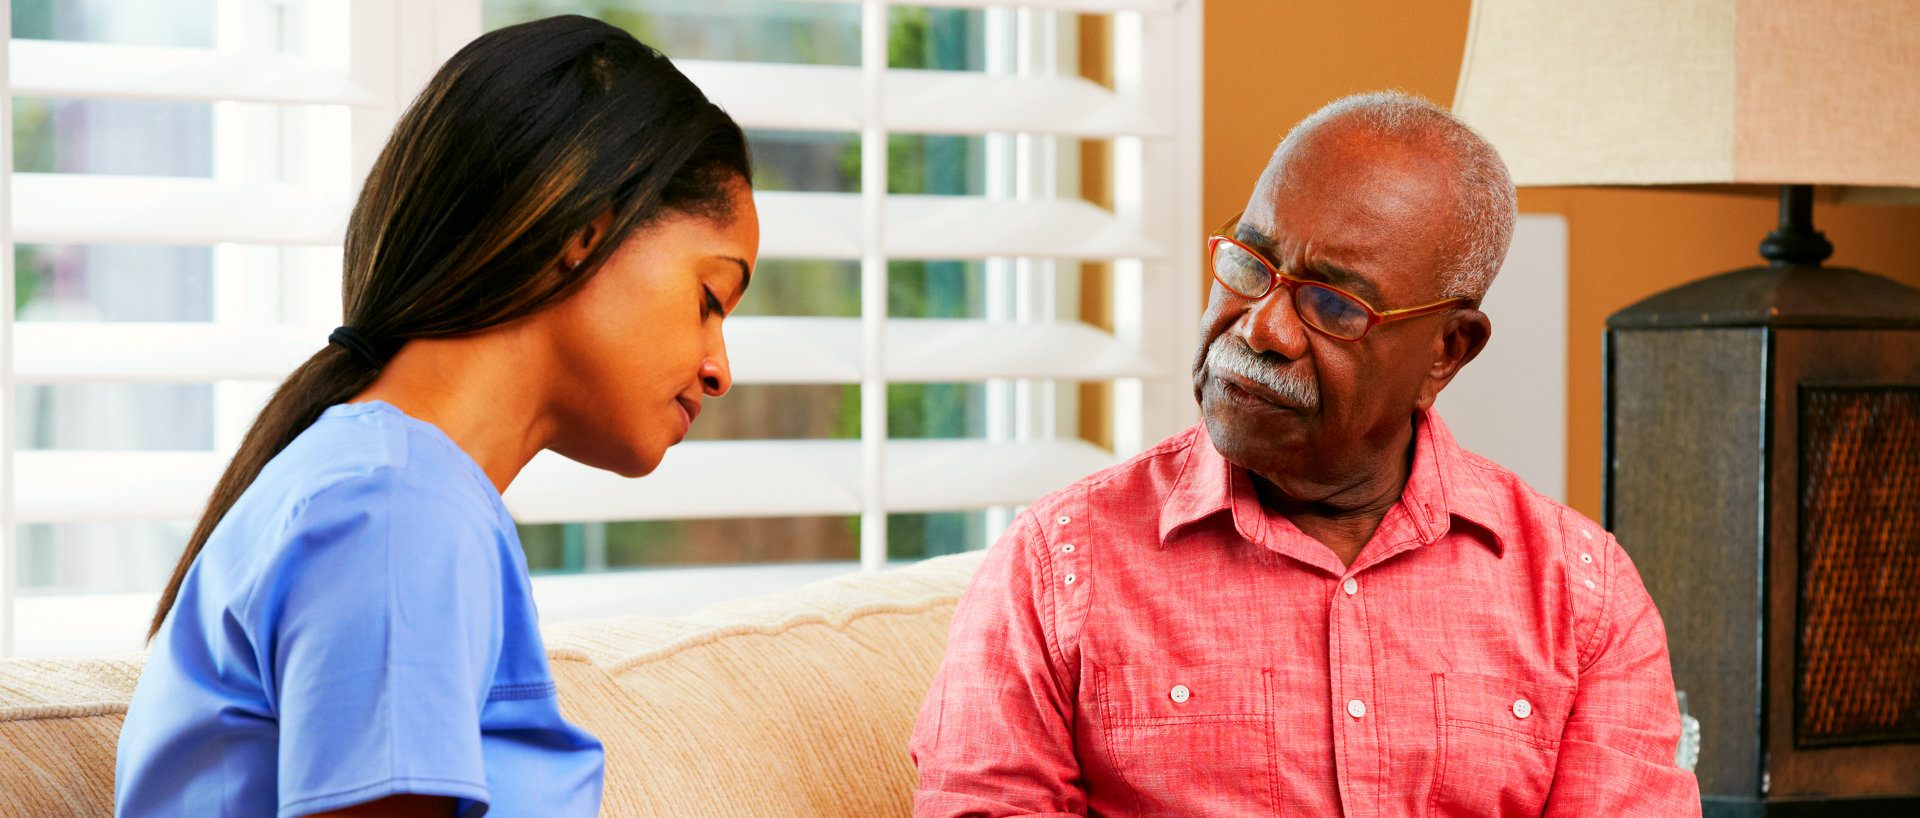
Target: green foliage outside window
{"points": [[917, 164]]}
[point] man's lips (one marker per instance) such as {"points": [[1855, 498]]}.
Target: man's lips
{"points": [[1251, 392]]}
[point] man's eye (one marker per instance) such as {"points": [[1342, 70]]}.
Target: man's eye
{"points": [[712, 306]]}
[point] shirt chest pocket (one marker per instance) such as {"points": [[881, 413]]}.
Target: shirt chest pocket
{"points": [[1190, 740], [1499, 741]]}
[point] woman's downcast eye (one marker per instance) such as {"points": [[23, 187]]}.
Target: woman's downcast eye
{"points": [[712, 306]]}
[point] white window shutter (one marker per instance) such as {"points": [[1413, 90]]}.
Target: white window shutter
{"points": [[370, 59]]}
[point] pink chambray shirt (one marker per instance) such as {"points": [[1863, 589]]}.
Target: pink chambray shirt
{"points": [[1151, 642]]}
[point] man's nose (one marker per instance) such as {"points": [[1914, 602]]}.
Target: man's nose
{"points": [[1272, 324]]}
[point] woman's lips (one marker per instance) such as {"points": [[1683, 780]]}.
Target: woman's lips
{"points": [[689, 409]]}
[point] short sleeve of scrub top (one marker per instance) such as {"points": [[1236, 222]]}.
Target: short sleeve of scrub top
{"points": [[359, 626]]}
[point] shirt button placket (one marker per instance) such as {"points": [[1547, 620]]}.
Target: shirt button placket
{"points": [[1359, 755]]}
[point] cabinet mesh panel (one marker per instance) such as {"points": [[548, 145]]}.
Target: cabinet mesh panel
{"points": [[1858, 668]]}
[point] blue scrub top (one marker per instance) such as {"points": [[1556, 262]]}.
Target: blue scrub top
{"points": [[359, 625]]}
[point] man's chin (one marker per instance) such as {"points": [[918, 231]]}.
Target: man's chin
{"points": [[1267, 444]]}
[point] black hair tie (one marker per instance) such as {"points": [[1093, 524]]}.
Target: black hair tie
{"points": [[352, 341]]}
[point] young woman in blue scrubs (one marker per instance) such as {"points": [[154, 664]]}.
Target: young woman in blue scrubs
{"points": [[540, 259]]}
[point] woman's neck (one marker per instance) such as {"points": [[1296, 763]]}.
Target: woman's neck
{"points": [[483, 390]]}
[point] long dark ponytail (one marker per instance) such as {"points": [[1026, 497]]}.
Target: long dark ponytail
{"points": [[520, 140]]}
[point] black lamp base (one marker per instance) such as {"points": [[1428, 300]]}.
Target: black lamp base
{"points": [[1894, 807], [1762, 468]]}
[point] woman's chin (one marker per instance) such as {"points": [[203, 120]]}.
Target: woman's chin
{"points": [[637, 461]]}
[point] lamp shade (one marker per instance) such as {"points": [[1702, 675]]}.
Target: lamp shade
{"points": [[1697, 92]]}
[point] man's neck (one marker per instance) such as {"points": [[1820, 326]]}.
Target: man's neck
{"points": [[1342, 516]]}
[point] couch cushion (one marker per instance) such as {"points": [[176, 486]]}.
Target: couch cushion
{"points": [[790, 704], [797, 703], [59, 724]]}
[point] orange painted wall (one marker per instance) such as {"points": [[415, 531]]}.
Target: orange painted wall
{"points": [[1271, 62]]}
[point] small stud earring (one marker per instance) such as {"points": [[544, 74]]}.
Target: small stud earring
{"points": [[573, 265]]}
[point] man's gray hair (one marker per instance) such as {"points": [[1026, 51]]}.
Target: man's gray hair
{"points": [[1484, 196]]}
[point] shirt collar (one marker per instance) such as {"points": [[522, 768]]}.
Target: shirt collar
{"points": [[1204, 487], [1448, 482], [1445, 483]]}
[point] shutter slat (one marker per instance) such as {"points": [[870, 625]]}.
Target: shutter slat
{"points": [[748, 478], [50, 68], [827, 98], [966, 102], [71, 486], [769, 349], [949, 350], [828, 225], [702, 479], [56, 208], [758, 478], [781, 96], [809, 225], [960, 475], [86, 208], [970, 227], [1082, 6], [134, 352]]}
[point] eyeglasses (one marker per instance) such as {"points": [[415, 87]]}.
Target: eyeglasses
{"points": [[1326, 308]]}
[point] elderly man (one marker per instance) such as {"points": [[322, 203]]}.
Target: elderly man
{"points": [[1315, 602]]}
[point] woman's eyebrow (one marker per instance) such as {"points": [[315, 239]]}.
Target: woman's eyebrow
{"points": [[746, 274]]}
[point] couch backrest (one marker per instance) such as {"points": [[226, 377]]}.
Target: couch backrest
{"points": [[791, 704], [59, 722]]}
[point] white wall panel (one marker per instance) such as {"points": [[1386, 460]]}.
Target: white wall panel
{"points": [[1510, 404]]}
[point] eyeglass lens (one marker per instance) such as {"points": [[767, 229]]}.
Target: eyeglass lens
{"points": [[1327, 310]]}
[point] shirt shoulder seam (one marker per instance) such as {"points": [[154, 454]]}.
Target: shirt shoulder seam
{"points": [[299, 509], [1591, 641], [1042, 564]]}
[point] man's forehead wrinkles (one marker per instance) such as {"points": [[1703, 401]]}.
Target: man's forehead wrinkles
{"points": [[1347, 279], [1328, 271]]}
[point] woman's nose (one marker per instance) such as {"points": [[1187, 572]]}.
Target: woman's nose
{"points": [[715, 376]]}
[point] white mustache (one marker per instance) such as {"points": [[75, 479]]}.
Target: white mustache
{"points": [[1226, 356]]}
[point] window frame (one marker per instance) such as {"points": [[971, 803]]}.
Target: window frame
{"points": [[393, 46]]}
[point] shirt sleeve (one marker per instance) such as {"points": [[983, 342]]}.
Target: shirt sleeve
{"points": [[1617, 751], [995, 735], [376, 635]]}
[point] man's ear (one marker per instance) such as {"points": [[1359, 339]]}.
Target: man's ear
{"points": [[1460, 340]]}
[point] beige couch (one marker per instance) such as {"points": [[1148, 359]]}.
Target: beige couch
{"points": [[791, 704]]}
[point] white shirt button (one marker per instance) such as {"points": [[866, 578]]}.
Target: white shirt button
{"points": [[1180, 693], [1068, 548], [1064, 519], [1351, 586], [1586, 533], [1070, 579], [1522, 708], [1589, 583], [1586, 558], [1356, 708]]}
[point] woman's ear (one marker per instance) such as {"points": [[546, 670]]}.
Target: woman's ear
{"points": [[589, 238], [1463, 335]]}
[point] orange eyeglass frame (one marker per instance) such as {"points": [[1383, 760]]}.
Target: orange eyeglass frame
{"points": [[1275, 276]]}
